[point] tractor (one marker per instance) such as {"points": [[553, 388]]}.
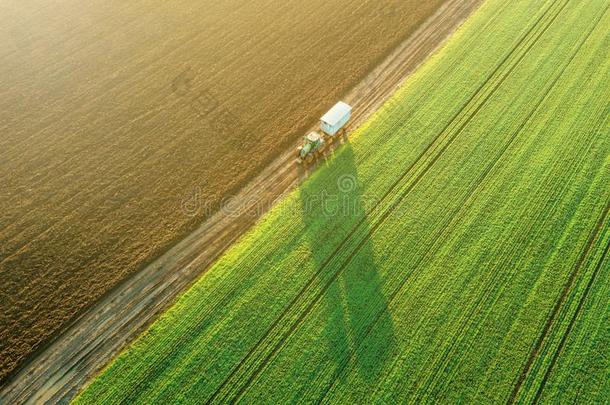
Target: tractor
{"points": [[331, 124], [313, 145]]}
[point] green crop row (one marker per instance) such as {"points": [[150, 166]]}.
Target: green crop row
{"points": [[455, 249]]}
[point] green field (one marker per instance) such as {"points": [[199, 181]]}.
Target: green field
{"points": [[455, 250]]}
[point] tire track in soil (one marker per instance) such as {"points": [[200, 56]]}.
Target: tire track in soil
{"points": [[387, 212], [58, 370]]}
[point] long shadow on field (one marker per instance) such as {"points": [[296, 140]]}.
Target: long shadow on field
{"points": [[355, 298]]}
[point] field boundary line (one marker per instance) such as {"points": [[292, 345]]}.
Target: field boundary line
{"points": [[221, 302], [399, 124]]}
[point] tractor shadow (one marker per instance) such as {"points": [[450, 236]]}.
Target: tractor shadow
{"points": [[354, 304]]}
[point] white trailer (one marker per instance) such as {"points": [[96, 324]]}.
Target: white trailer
{"points": [[335, 118]]}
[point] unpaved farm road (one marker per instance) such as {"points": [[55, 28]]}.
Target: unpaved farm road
{"points": [[60, 370]]}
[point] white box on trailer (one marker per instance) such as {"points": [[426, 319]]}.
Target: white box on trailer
{"points": [[335, 118]]}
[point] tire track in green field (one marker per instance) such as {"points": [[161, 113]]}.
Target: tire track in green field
{"points": [[236, 286], [461, 329], [448, 227], [496, 78], [585, 253], [549, 206], [398, 124], [574, 317], [552, 318], [196, 328]]}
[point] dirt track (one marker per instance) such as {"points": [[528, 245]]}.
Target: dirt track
{"points": [[61, 369]]}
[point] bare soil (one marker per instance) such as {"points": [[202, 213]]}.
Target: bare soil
{"points": [[126, 301], [113, 114]]}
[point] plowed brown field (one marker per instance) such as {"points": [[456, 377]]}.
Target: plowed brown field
{"points": [[112, 113]]}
